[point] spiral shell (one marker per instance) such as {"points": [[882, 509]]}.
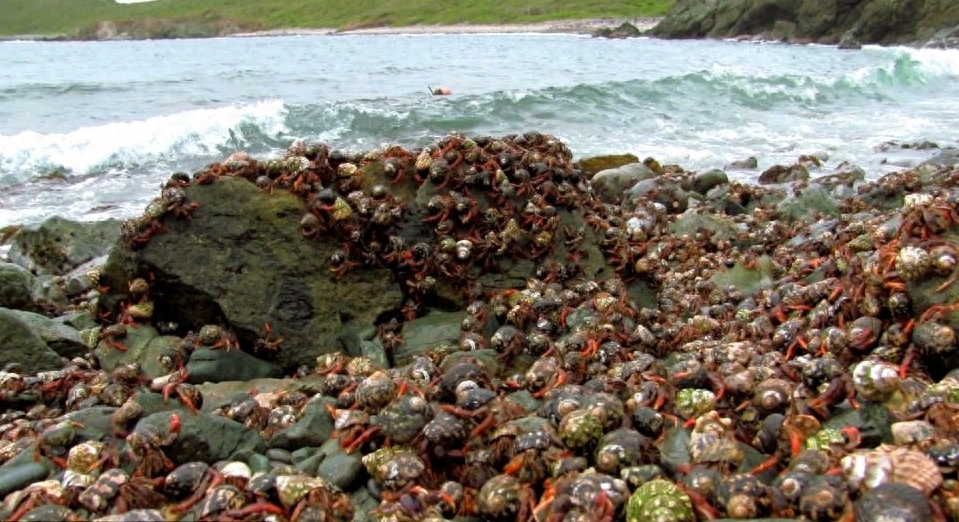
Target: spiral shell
{"points": [[619, 449], [85, 457], [934, 338], [913, 263], [824, 498], [862, 333], [659, 501], [743, 495], [499, 497], [376, 391], [875, 380], [885, 464], [712, 441], [464, 248], [580, 429], [394, 466], [773, 395], [693, 402], [943, 259], [423, 160], [292, 488]]}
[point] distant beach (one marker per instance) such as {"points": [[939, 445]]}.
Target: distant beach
{"points": [[587, 26]]}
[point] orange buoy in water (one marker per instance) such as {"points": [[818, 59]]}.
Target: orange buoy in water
{"points": [[440, 91]]}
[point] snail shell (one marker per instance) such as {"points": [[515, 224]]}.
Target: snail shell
{"points": [[868, 470], [913, 263], [773, 395], [875, 380], [659, 500], [893, 501], [863, 333], [934, 338]]}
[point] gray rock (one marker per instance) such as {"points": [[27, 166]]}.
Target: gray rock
{"points": [[17, 477], [309, 464], [703, 182], [426, 333], [61, 338], [22, 345], [250, 265], [49, 292], [624, 30], [808, 204], [783, 174], [85, 277], [58, 245], [661, 190], [216, 365], [340, 468], [95, 421], [312, 429], [611, 184], [947, 157], [691, 221], [16, 283], [136, 341], [206, 437], [749, 163]]}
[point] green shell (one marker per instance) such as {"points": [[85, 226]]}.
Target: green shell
{"points": [[580, 429], [824, 438], [659, 500], [691, 403]]}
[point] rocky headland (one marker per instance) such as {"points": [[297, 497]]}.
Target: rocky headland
{"points": [[848, 23], [485, 328]]}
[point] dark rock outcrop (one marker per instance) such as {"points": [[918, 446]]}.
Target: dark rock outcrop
{"points": [[624, 30], [241, 261], [823, 21]]}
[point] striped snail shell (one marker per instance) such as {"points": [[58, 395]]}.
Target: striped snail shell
{"points": [[875, 380], [773, 395], [886, 464]]}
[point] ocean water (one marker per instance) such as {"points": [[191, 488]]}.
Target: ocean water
{"points": [[89, 130]]}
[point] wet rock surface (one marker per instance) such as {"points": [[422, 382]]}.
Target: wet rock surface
{"points": [[480, 331], [849, 23]]}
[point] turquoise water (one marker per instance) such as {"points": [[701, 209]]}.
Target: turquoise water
{"points": [[112, 120]]}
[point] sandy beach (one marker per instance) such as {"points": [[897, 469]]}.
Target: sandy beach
{"points": [[587, 26]]}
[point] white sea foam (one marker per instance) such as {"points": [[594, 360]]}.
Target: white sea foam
{"points": [[198, 132]]}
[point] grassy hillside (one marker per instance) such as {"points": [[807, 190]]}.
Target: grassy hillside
{"points": [[75, 17]]}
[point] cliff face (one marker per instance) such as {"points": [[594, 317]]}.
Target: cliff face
{"points": [[823, 21]]}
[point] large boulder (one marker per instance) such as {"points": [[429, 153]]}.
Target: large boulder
{"points": [[23, 346], [240, 260], [824, 21], [15, 285], [298, 257], [58, 245]]}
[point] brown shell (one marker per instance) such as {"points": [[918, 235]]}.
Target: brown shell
{"points": [[890, 464]]}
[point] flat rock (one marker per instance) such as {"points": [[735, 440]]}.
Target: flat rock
{"points": [[24, 346]]}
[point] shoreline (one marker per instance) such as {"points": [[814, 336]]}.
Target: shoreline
{"points": [[581, 26]]}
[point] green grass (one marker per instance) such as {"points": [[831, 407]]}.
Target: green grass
{"points": [[73, 17]]}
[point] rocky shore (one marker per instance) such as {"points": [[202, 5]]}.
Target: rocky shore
{"points": [[486, 329], [847, 23]]}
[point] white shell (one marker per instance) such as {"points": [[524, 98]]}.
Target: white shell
{"points": [[236, 469]]}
